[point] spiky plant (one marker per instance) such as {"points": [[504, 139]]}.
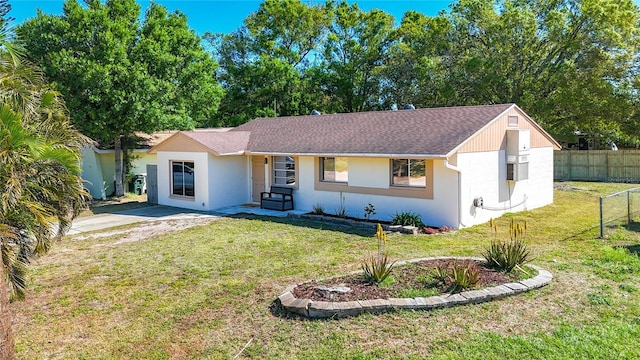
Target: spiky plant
{"points": [[377, 268], [507, 255]]}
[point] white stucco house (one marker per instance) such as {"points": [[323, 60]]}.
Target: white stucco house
{"points": [[99, 169], [455, 166]]}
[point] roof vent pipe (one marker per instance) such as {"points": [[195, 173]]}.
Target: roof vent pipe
{"points": [[409, 107], [315, 112]]}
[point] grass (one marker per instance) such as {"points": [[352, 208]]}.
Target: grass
{"points": [[206, 292]]}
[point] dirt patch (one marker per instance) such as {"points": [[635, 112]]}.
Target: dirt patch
{"points": [[418, 277], [565, 187], [143, 230]]}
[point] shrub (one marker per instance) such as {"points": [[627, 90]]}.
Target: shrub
{"points": [[463, 275], [505, 256], [317, 209], [407, 218], [368, 211]]}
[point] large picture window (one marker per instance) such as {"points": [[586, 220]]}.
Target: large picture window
{"points": [[284, 170], [182, 178], [335, 169], [408, 172]]}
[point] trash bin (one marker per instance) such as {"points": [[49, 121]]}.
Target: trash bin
{"points": [[138, 185]]}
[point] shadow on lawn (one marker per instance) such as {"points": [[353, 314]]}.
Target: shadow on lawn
{"points": [[310, 224], [633, 226]]}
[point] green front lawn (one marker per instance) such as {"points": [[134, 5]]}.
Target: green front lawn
{"points": [[206, 292]]}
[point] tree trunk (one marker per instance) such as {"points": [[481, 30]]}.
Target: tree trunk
{"points": [[7, 348], [118, 156], [125, 165]]}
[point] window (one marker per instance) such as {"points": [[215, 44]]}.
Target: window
{"points": [[284, 170], [408, 172], [182, 178], [334, 169], [513, 121]]}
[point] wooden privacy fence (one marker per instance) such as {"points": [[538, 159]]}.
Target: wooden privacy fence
{"points": [[597, 165]]}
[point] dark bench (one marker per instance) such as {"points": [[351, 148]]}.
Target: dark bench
{"points": [[279, 198]]}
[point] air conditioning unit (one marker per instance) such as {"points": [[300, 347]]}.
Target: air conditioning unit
{"points": [[517, 172]]}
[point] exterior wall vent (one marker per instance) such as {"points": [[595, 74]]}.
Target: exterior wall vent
{"points": [[513, 121]]}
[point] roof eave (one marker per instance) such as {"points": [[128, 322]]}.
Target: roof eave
{"points": [[370, 155]]}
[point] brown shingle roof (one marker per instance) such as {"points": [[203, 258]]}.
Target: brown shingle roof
{"points": [[221, 142], [217, 141], [432, 132]]}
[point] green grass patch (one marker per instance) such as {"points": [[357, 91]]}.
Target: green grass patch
{"points": [[207, 292]]}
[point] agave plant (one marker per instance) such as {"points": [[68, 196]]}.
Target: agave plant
{"points": [[377, 268], [506, 256], [463, 275]]}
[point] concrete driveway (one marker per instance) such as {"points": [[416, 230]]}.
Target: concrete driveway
{"points": [[147, 213]]}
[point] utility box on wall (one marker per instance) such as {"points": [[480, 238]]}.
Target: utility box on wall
{"points": [[518, 150]]}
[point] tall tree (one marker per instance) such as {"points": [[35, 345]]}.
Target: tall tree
{"points": [[566, 62], [412, 73], [121, 76], [264, 63], [39, 177], [356, 49]]}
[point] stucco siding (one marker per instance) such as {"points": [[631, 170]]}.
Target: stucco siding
{"points": [[92, 173], [374, 174], [369, 172], [228, 181], [484, 175], [108, 165], [201, 180], [141, 158]]}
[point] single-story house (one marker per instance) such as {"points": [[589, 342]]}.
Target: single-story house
{"points": [[455, 166]]}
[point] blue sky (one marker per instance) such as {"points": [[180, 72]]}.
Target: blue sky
{"points": [[224, 15]]}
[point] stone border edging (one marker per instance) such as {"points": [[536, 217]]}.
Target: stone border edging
{"points": [[361, 224], [339, 309]]}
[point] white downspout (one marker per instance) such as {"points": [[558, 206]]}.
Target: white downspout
{"points": [[457, 169]]}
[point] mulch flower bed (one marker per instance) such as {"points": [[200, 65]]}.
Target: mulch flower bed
{"points": [[416, 275]]}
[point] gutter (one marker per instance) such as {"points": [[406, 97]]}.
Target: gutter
{"points": [[457, 169]]}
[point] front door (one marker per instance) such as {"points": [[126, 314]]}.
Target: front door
{"points": [[257, 171]]}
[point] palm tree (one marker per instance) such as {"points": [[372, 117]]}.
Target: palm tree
{"points": [[40, 180]]}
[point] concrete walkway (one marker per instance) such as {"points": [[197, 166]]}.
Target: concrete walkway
{"points": [[164, 213]]}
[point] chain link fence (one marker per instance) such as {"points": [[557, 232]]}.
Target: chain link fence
{"points": [[619, 209]]}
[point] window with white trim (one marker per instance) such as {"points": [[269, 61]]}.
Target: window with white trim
{"points": [[408, 172], [334, 169], [182, 178], [284, 170]]}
